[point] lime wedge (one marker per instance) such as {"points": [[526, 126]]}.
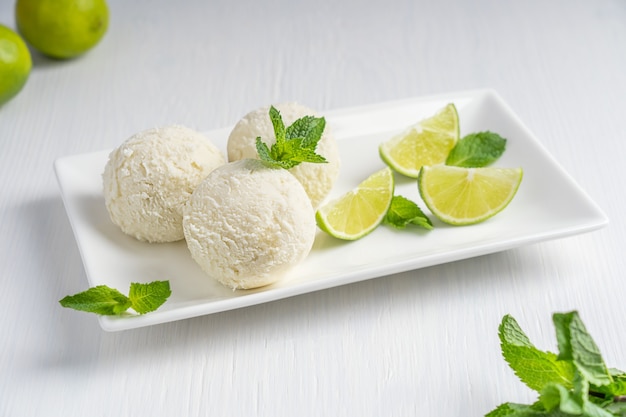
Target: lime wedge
{"points": [[427, 142], [359, 211], [462, 196]]}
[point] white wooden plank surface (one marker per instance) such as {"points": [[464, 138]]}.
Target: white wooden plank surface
{"points": [[418, 343]]}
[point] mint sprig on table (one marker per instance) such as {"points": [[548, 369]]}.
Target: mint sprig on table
{"points": [[576, 382], [106, 301], [294, 144]]}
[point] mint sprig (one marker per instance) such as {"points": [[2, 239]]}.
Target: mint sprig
{"points": [[577, 346], [294, 144], [403, 212], [106, 301], [576, 382], [477, 150], [534, 367]]}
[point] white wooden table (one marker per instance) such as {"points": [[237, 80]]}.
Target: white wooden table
{"points": [[417, 343]]}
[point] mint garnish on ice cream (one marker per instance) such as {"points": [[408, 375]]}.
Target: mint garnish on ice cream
{"points": [[250, 221]]}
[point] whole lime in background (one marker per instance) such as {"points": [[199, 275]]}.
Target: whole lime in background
{"points": [[15, 64], [62, 28]]}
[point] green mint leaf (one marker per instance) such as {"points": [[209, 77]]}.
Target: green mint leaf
{"points": [[308, 128], [295, 152], [263, 151], [279, 126], [617, 408], [306, 155], [268, 156], [562, 405], [292, 154], [533, 367], [582, 391], [618, 386], [294, 144], [100, 300], [576, 345], [521, 410], [572, 402], [477, 150], [509, 409], [563, 335], [106, 301], [403, 212], [592, 410], [556, 396], [148, 297]]}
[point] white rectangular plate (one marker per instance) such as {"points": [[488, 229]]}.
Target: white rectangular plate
{"points": [[548, 205]]}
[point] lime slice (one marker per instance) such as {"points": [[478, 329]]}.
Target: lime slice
{"points": [[462, 196], [427, 142], [360, 210]]}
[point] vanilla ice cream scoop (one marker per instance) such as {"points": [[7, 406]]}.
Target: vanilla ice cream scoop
{"points": [[317, 179], [149, 178], [247, 224]]}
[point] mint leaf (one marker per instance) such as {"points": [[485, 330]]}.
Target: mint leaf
{"points": [[477, 150], [100, 300], [403, 212], [306, 155], [592, 405], [263, 150], [617, 408], [520, 410], [618, 386], [279, 126], [107, 301], [572, 402], [148, 297], [294, 144], [534, 367], [308, 128], [563, 336], [556, 396], [593, 410], [576, 345], [575, 383], [510, 409]]}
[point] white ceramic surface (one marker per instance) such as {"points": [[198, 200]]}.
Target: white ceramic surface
{"points": [[548, 205]]}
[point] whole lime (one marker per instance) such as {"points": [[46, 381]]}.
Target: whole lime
{"points": [[15, 64], [62, 28]]}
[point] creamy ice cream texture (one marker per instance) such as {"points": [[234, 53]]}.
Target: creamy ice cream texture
{"points": [[317, 179], [247, 224], [149, 178]]}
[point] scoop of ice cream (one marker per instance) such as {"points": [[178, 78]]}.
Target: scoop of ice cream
{"points": [[317, 179], [149, 178], [247, 224]]}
